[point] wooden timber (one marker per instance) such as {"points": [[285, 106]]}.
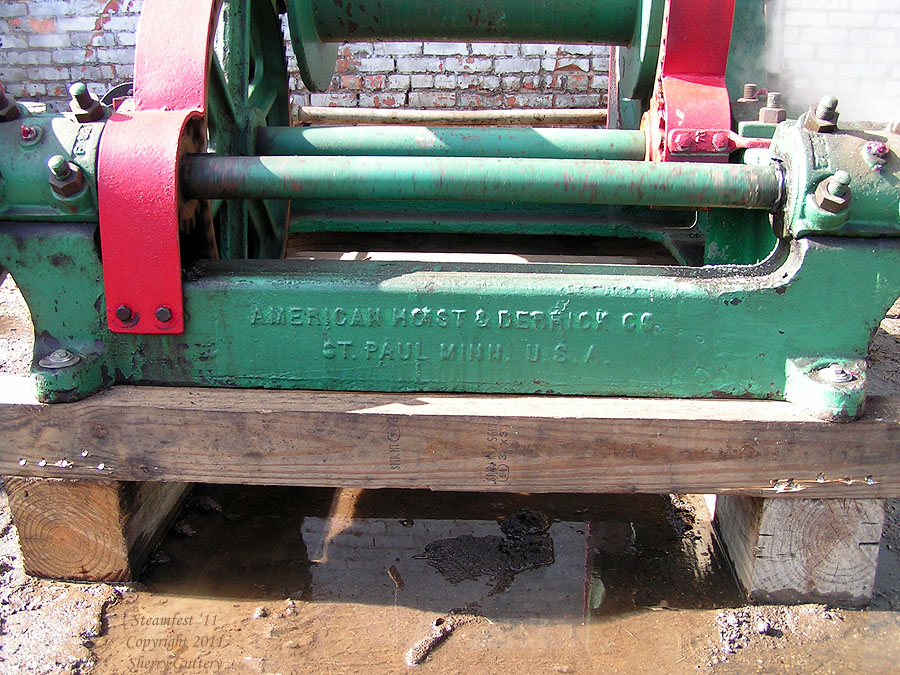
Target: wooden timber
{"points": [[803, 550], [90, 530], [511, 117], [455, 442]]}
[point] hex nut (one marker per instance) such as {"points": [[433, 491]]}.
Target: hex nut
{"points": [[10, 111], [84, 106], [772, 115], [71, 184], [818, 125], [829, 202]]}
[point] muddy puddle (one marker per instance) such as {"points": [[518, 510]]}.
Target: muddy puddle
{"points": [[275, 580]]}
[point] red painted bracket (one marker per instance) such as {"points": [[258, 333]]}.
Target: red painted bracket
{"points": [[690, 103], [138, 162]]}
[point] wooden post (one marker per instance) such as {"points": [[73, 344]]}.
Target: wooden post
{"points": [[802, 550], [84, 530]]}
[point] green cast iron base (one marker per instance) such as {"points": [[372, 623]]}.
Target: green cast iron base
{"points": [[724, 331]]}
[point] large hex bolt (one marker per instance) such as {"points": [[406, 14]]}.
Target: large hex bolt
{"points": [[833, 194], [66, 178], [772, 112], [8, 108], [823, 117], [85, 107], [751, 92]]}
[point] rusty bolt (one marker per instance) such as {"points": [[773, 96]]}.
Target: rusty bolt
{"points": [[28, 133], [833, 194], [772, 112], [8, 108], [164, 314], [827, 108], [839, 183], [681, 140], [66, 178], [85, 106], [836, 374], [750, 92], [877, 149], [823, 117], [720, 140], [124, 313]]}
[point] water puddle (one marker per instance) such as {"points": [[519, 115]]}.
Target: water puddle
{"points": [[277, 580]]}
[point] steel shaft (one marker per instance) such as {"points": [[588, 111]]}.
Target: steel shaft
{"points": [[546, 143], [493, 180]]}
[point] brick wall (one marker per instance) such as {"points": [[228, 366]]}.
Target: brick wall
{"points": [[815, 46], [48, 44], [847, 49]]}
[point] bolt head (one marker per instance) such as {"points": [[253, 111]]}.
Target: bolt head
{"points": [[59, 167], [59, 358], [877, 149], [814, 122], [124, 313], [828, 201], [28, 133], [836, 374], [164, 314]]}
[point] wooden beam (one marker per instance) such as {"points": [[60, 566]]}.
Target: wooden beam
{"points": [[455, 442], [511, 117], [90, 530], [803, 550]]}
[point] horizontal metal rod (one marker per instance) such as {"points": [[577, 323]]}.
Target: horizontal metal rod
{"points": [[511, 117], [536, 181], [545, 143], [555, 21]]}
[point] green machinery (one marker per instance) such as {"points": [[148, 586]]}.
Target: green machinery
{"points": [[147, 239]]}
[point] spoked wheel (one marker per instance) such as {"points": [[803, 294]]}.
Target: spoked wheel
{"points": [[247, 90]]}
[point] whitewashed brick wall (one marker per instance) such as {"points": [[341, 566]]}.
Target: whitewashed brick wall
{"points": [[845, 47]]}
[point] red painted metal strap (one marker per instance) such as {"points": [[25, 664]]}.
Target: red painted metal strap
{"points": [[137, 167], [690, 94]]}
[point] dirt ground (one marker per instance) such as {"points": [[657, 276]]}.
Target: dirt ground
{"points": [[301, 580]]}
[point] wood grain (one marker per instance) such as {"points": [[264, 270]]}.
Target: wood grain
{"points": [[90, 530], [803, 550], [455, 442]]}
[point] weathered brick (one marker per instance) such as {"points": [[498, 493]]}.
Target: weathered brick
{"points": [[445, 48], [334, 99], [48, 40], [422, 81], [398, 82], [431, 99], [69, 24], [419, 65], [576, 100], [510, 83], [48, 73], [376, 64], [516, 66], [126, 39], [383, 100], [121, 55], [11, 9], [467, 64], [445, 81], [398, 48], [529, 100], [47, 8], [470, 100], [495, 49]]}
